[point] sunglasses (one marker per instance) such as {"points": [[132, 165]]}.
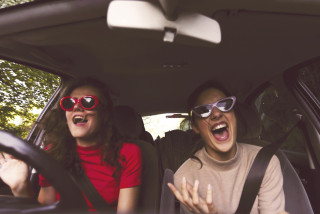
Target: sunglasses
{"points": [[224, 105], [88, 102]]}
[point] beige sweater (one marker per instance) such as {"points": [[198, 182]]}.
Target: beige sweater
{"points": [[227, 179]]}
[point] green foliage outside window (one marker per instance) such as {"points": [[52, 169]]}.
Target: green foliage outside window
{"points": [[24, 91], [9, 3]]}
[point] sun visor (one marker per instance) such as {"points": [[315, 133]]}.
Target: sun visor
{"points": [[148, 19]]}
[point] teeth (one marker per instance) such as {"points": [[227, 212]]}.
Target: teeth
{"points": [[78, 119], [220, 126]]}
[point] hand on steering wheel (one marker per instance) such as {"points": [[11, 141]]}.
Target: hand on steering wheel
{"points": [[71, 197]]}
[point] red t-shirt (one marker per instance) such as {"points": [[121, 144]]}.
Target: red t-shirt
{"points": [[101, 175]]}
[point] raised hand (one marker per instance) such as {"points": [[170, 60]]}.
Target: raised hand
{"points": [[190, 198], [15, 174]]}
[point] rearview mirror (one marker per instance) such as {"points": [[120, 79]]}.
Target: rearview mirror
{"points": [[146, 18]]}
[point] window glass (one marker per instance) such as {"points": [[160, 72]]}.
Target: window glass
{"points": [[158, 125], [277, 117], [24, 91], [310, 75], [10, 3]]}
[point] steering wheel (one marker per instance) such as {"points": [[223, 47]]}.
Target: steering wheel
{"points": [[71, 198]]}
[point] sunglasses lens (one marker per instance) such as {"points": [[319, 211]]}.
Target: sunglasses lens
{"points": [[203, 111], [68, 103], [88, 102], [225, 104]]}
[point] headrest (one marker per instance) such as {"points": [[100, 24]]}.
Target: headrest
{"points": [[248, 123], [128, 122]]}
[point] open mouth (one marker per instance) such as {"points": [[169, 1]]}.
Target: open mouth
{"points": [[220, 132], [79, 119]]}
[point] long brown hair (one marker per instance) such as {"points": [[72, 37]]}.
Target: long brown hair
{"points": [[59, 141]]}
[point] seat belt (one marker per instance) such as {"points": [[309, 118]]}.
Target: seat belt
{"points": [[92, 194], [256, 173]]}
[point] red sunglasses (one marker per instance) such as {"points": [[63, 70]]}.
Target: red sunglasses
{"points": [[88, 102]]}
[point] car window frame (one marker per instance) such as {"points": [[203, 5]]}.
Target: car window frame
{"points": [[309, 106], [302, 93], [307, 103], [35, 134]]}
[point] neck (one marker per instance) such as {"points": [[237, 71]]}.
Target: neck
{"points": [[222, 156], [85, 143]]}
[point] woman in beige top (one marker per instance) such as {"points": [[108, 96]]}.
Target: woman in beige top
{"points": [[212, 180]]}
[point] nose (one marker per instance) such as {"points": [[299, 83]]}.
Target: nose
{"points": [[215, 114], [77, 107]]}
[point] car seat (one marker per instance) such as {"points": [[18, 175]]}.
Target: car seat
{"points": [[175, 148], [130, 125]]}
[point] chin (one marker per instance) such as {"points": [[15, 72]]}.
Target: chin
{"points": [[225, 146], [78, 135]]}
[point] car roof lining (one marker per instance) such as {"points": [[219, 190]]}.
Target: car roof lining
{"points": [[50, 13], [68, 49]]}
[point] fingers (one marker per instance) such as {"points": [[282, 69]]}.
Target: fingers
{"points": [[4, 157], [195, 195], [186, 188], [185, 192], [190, 198], [203, 206], [209, 200], [184, 197], [175, 191]]}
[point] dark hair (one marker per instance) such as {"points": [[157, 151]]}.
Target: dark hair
{"points": [[59, 141], [191, 102]]}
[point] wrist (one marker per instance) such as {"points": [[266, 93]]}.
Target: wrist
{"points": [[23, 189]]}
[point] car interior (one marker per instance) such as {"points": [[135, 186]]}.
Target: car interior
{"points": [[153, 54]]}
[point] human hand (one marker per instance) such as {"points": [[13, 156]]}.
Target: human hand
{"points": [[14, 173], [190, 198]]}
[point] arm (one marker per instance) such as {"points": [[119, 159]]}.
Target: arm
{"points": [[271, 195], [47, 195], [130, 179], [15, 174], [128, 199]]}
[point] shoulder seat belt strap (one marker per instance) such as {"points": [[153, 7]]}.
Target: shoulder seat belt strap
{"points": [[92, 194], [256, 173]]}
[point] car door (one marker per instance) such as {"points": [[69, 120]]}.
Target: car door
{"points": [[281, 103]]}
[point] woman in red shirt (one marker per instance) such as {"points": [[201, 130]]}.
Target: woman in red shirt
{"points": [[79, 133]]}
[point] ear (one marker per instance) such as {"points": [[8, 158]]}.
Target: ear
{"points": [[195, 128]]}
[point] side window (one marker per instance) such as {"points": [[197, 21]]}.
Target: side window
{"points": [[24, 92], [277, 117], [10, 3], [310, 76]]}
